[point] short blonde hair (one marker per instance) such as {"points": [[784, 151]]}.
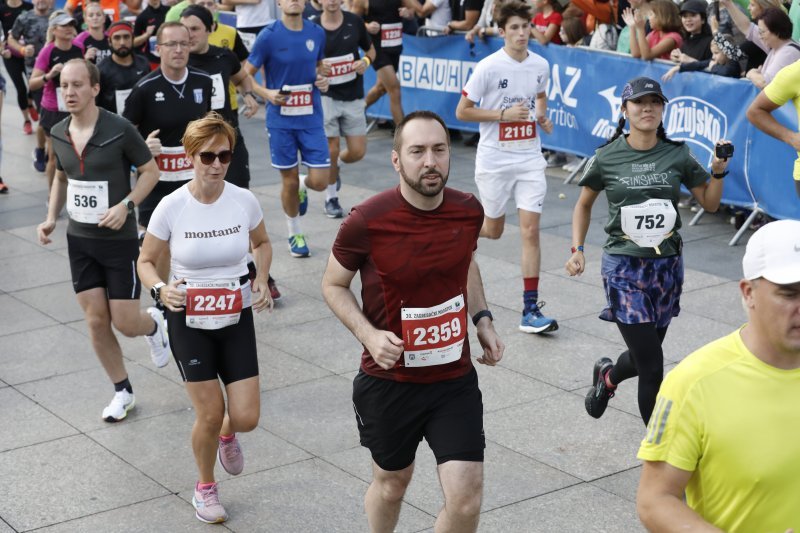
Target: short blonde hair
{"points": [[200, 131]]}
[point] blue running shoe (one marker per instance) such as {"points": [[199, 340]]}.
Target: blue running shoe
{"points": [[302, 193], [298, 246], [39, 159], [333, 209], [533, 321]]}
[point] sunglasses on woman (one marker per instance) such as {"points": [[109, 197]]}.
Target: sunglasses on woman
{"points": [[208, 157]]}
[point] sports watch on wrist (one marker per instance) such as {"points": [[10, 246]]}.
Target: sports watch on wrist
{"points": [[128, 203], [155, 291], [481, 314]]}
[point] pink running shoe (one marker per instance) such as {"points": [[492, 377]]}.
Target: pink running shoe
{"points": [[207, 506], [230, 456]]}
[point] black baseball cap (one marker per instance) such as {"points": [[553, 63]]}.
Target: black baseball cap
{"points": [[638, 87], [694, 6]]}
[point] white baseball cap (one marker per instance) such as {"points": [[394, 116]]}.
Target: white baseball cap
{"points": [[773, 253]]}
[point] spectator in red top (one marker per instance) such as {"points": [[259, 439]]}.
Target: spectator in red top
{"points": [[547, 22], [665, 23]]}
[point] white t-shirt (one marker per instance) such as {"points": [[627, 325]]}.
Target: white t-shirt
{"points": [[256, 15], [207, 241], [441, 15], [499, 82]]}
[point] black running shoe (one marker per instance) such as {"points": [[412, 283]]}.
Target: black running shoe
{"points": [[598, 396]]}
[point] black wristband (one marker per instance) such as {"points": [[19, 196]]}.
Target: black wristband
{"points": [[481, 314], [719, 176]]}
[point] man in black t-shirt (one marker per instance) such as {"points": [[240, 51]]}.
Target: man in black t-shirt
{"points": [[147, 23], [343, 104], [161, 105], [223, 67], [120, 73], [465, 15]]}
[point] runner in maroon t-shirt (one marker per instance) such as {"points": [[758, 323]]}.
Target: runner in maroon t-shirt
{"points": [[414, 247]]}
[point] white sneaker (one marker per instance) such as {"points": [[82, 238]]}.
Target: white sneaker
{"points": [[118, 408], [158, 341]]}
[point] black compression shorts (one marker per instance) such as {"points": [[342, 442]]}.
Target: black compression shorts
{"points": [[383, 58], [108, 263], [149, 204], [202, 355], [393, 417]]}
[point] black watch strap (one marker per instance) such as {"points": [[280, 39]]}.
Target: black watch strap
{"points": [[719, 176], [481, 314]]}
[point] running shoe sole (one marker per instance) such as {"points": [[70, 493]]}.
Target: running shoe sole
{"points": [[219, 520], [553, 326], [596, 371]]}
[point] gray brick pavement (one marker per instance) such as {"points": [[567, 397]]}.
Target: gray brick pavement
{"points": [[549, 467]]}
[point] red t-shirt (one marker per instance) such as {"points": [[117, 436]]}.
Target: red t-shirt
{"points": [[541, 23], [409, 258]]}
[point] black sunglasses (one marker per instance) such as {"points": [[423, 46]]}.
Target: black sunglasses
{"points": [[208, 157]]}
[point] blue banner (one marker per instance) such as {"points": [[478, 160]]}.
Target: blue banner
{"points": [[584, 105]]}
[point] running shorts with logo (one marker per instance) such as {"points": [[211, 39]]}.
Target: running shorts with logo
{"points": [[344, 118], [497, 185], [110, 264], [393, 417], [312, 144]]}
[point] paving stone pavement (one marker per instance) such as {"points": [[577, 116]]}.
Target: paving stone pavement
{"points": [[549, 467]]}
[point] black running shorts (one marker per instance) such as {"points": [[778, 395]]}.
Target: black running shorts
{"points": [[202, 355], [383, 58], [48, 119], [108, 263], [393, 417], [149, 204]]}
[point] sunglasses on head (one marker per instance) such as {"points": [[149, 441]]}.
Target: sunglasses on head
{"points": [[208, 157]]}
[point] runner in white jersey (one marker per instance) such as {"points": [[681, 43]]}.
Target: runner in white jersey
{"points": [[207, 225], [506, 94]]}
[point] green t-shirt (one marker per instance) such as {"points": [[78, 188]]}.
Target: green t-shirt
{"points": [[630, 177], [624, 40], [794, 16], [174, 13]]}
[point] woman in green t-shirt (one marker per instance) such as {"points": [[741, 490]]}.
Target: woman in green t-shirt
{"points": [[641, 174]]}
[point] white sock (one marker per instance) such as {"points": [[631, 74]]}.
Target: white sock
{"points": [[303, 179], [293, 223], [339, 162], [330, 192]]}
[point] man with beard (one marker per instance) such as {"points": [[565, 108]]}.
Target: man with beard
{"points": [[416, 378], [118, 76]]}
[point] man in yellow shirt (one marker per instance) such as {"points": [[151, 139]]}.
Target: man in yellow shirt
{"points": [[727, 418], [784, 86]]}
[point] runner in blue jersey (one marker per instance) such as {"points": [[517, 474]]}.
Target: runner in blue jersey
{"points": [[291, 50]]}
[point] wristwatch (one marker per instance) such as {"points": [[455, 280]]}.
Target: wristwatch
{"points": [[719, 176], [155, 291], [127, 202]]}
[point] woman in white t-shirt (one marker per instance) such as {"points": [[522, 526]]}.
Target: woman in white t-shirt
{"points": [[208, 225]]}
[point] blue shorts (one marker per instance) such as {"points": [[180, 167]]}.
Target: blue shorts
{"points": [[642, 289], [312, 144]]}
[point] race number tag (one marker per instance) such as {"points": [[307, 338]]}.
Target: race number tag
{"points": [[174, 165], [341, 69], [87, 201], [391, 35], [648, 223], [434, 335], [120, 96], [217, 92], [62, 105], [299, 102], [516, 135], [213, 304]]}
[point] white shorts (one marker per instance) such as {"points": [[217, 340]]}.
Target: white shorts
{"points": [[495, 188]]}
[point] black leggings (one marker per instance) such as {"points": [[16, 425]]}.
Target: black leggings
{"points": [[644, 358], [15, 66]]}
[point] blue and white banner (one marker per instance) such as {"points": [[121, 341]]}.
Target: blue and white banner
{"points": [[584, 104]]}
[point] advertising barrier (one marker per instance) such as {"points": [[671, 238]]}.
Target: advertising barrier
{"points": [[583, 101]]}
